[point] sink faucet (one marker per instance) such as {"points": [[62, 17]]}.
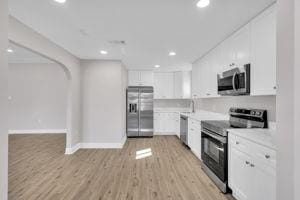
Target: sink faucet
{"points": [[193, 105]]}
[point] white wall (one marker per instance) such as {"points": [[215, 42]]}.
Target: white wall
{"points": [[103, 101], [124, 93], [288, 100], [39, 97], [3, 100], [297, 100], [28, 38]]}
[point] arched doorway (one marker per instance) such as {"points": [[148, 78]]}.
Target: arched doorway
{"points": [[68, 78]]}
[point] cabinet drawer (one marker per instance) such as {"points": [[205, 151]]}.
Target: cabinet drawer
{"points": [[240, 143], [264, 155], [258, 152], [195, 125]]}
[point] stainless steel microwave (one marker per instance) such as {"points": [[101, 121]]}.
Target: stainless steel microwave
{"points": [[235, 81]]}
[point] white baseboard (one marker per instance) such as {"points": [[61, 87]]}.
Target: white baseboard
{"points": [[73, 149], [78, 146], [38, 131], [164, 133], [101, 145]]}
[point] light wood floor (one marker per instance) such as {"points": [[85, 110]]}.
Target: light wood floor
{"points": [[38, 169]]}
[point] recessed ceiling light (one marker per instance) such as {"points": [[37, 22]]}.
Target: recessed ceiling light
{"points": [[103, 52], [172, 53], [60, 1], [203, 3], [10, 50], [157, 66]]}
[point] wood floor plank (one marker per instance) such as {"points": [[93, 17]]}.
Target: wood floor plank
{"points": [[39, 169]]}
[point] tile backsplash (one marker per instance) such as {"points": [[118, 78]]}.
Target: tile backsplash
{"points": [[222, 104], [172, 103]]}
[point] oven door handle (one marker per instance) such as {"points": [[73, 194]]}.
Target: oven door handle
{"points": [[217, 137], [233, 81], [220, 149]]}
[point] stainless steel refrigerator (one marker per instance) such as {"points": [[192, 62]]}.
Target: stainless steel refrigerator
{"points": [[140, 112]]}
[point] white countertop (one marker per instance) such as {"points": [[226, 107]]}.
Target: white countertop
{"points": [[201, 115], [178, 110], [265, 137]]}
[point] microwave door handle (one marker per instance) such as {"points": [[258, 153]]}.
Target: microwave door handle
{"points": [[220, 149], [233, 81]]}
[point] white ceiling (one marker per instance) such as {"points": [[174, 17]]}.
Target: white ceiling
{"points": [[151, 28], [22, 55]]}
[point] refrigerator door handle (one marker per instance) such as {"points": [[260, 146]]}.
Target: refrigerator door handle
{"points": [[139, 110]]}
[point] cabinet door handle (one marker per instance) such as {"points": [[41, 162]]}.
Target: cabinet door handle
{"points": [[267, 156], [247, 162], [252, 165], [274, 87], [207, 94], [237, 143]]}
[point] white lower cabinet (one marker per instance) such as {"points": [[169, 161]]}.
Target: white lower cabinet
{"points": [[240, 180], [166, 123], [194, 136], [251, 176]]}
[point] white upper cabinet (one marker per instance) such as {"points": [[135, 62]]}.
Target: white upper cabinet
{"points": [[263, 53], [235, 51], [134, 78], [254, 43], [213, 68], [172, 85], [147, 78], [204, 76], [182, 85], [196, 78], [140, 78], [164, 85], [241, 46], [227, 53]]}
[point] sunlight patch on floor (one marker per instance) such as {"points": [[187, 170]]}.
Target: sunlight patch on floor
{"points": [[143, 153]]}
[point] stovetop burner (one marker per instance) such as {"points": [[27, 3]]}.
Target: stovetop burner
{"points": [[239, 118]]}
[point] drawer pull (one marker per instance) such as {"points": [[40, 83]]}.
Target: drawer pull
{"points": [[267, 156], [252, 165], [237, 143], [247, 162]]}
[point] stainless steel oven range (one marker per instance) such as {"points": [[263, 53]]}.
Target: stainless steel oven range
{"points": [[214, 141]]}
